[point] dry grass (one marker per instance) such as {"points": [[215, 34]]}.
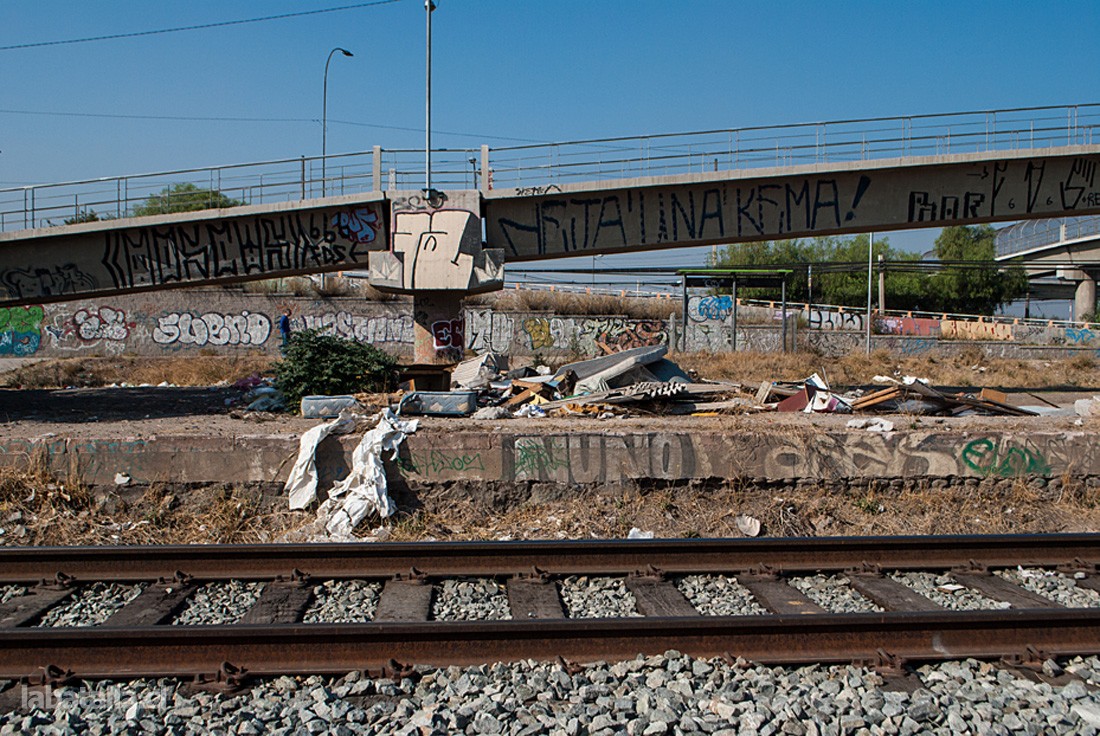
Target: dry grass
{"points": [[570, 303], [966, 369], [37, 508], [687, 512], [195, 370]]}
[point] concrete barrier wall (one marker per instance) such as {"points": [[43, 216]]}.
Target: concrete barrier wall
{"points": [[221, 322], [456, 451]]}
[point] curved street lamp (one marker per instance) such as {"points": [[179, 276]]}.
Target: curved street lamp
{"points": [[324, 115]]}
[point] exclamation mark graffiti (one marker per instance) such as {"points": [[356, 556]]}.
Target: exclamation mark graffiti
{"points": [[861, 189]]}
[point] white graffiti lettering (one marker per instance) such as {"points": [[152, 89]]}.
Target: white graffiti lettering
{"points": [[211, 328]]}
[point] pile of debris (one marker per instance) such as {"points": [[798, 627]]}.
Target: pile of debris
{"points": [[910, 395], [645, 381], [641, 380]]}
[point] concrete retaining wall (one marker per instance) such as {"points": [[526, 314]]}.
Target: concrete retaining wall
{"points": [[571, 458], [221, 321]]}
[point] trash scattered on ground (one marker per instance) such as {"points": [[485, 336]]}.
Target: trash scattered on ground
{"points": [[301, 484], [365, 489], [122, 479], [636, 533], [874, 424], [1087, 407], [747, 525]]}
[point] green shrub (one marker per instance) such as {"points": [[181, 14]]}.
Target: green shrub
{"points": [[316, 363]]}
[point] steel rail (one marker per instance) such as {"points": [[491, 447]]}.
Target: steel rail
{"points": [[22, 565], [103, 652]]}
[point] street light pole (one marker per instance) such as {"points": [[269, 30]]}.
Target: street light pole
{"points": [[324, 115], [429, 6], [870, 275]]}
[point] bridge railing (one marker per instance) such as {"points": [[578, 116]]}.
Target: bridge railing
{"points": [[540, 165], [786, 145], [265, 182]]}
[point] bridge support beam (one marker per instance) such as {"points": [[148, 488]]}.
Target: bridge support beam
{"points": [[437, 256]]}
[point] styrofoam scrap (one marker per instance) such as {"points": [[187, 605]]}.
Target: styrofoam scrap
{"points": [[880, 425], [951, 587], [301, 484], [910, 380], [885, 379], [1087, 407], [636, 533], [365, 489], [122, 479]]}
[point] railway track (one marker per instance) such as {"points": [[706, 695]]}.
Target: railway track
{"points": [[142, 636]]}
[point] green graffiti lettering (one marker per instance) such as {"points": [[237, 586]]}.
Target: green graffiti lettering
{"points": [[1011, 461]]}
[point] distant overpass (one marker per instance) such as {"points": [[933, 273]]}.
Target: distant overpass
{"points": [[1062, 257], [550, 201]]}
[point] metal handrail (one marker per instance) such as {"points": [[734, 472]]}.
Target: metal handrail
{"points": [[593, 159]]}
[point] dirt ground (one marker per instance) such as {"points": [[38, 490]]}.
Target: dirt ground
{"points": [[36, 508]]}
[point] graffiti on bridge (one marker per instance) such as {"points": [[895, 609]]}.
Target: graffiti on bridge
{"points": [[67, 278], [242, 246]]}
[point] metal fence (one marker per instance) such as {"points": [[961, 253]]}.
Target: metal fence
{"points": [[541, 165]]}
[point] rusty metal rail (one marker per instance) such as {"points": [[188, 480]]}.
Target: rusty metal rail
{"points": [[138, 639], [221, 562]]}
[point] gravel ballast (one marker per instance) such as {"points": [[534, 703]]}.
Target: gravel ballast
{"points": [[666, 694]]}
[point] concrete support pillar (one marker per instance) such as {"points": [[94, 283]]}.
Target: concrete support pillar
{"points": [[1084, 301], [439, 332]]}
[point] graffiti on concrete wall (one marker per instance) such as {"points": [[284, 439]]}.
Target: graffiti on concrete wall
{"points": [[826, 319], [593, 458], [212, 328], [1079, 336], [375, 330], [714, 307], [952, 329], [915, 326], [489, 331], [1004, 458], [449, 334], [593, 335], [20, 330]]}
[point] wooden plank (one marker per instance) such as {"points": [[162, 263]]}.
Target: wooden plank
{"points": [[529, 599], [155, 605], [280, 603], [779, 597], [892, 595], [27, 609], [404, 600], [1000, 589], [657, 597]]}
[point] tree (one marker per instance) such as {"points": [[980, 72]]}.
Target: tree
{"points": [[82, 216], [971, 282], [839, 270], [184, 197]]}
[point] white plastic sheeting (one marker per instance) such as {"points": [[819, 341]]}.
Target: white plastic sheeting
{"points": [[365, 489], [301, 486]]}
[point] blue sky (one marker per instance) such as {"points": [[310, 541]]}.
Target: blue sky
{"points": [[504, 71]]}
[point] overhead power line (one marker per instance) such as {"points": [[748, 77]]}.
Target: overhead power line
{"points": [[230, 119], [222, 24]]}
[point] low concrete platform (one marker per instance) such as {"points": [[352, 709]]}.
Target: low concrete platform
{"points": [[572, 452]]}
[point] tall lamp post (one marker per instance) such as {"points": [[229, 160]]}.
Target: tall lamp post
{"points": [[324, 115]]}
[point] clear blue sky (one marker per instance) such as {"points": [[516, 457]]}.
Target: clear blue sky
{"points": [[504, 71]]}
